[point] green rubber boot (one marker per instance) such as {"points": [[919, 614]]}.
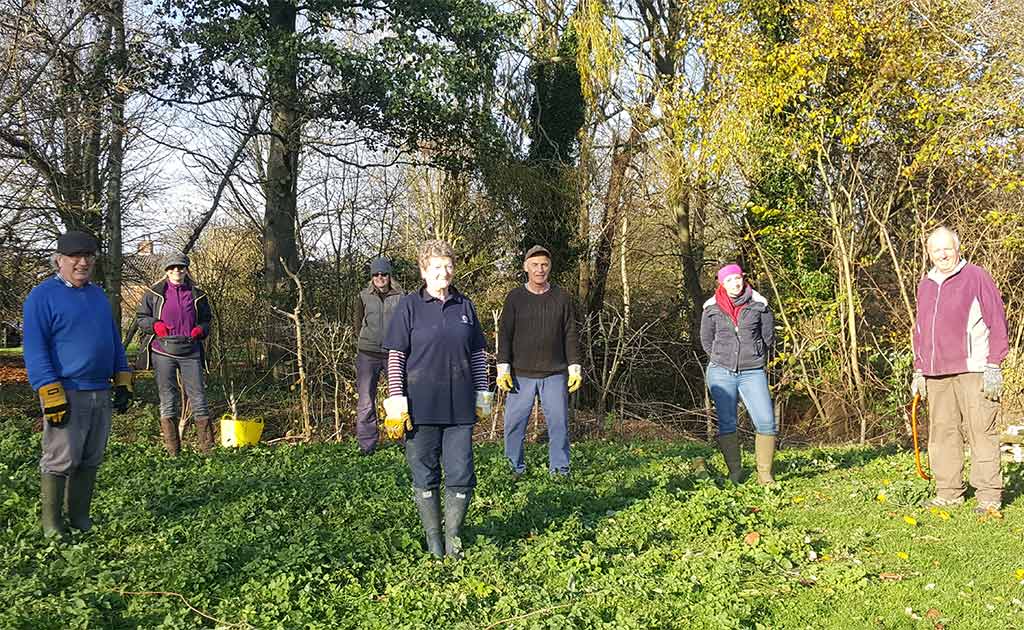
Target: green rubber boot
{"points": [[428, 502], [456, 502], [51, 490], [78, 501], [730, 445]]}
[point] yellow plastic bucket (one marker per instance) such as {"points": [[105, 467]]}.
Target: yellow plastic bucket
{"points": [[238, 432]]}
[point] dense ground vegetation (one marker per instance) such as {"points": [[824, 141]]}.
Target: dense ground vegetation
{"points": [[316, 537]]}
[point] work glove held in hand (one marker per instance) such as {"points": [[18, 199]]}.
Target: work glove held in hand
{"points": [[575, 377], [124, 391], [396, 417], [161, 329], [55, 403], [917, 385], [197, 332], [992, 383], [504, 381], [484, 404]]}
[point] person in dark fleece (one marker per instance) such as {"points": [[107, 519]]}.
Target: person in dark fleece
{"points": [[438, 389], [174, 316]]}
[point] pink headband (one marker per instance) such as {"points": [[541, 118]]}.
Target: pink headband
{"points": [[727, 271]]}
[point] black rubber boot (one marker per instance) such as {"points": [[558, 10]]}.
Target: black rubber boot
{"points": [[78, 500], [428, 502], [456, 502], [51, 490]]}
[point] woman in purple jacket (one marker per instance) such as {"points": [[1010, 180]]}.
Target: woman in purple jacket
{"points": [[174, 316]]}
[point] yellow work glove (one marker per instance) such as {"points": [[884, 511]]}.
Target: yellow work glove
{"points": [[484, 404], [54, 402], [396, 417], [575, 377], [505, 377]]}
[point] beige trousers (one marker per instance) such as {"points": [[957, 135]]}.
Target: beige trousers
{"points": [[958, 411]]}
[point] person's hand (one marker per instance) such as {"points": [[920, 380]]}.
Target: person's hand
{"points": [[484, 404], [55, 403], [992, 383], [161, 329], [197, 332], [917, 385], [504, 381], [396, 417], [124, 391], [575, 377]]}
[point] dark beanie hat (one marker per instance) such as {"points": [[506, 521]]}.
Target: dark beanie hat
{"points": [[175, 258], [380, 265], [76, 242]]}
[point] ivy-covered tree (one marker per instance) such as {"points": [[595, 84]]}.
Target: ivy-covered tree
{"points": [[413, 75]]}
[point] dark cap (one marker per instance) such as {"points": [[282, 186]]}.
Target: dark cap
{"points": [[76, 242], [380, 265], [537, 250], [175, 259]]}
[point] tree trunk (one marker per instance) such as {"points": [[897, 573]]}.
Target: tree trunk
{"points": [[279, 247], [689, 258], [115, 156], [613, 206]]}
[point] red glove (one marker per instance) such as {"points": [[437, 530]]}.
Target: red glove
{"points": [[161, 329], [196, 333]]}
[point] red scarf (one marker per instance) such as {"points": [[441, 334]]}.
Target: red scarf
{"points": [[725, 303]]}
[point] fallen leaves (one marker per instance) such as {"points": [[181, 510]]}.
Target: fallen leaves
{"points": [[890, 577], [752, 538], [910, 520]]}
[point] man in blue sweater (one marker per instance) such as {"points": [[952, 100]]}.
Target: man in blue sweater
{"points": [[73, 352]]}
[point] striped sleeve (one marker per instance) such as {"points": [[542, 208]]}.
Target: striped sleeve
{"points": [[396, 373], [479, 360]]}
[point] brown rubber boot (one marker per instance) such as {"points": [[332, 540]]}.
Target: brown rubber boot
{"points": [[204, 431], [764, 454], [730, 445], [169, 432]]}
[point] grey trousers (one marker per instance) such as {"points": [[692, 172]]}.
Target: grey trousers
{"points": [[81, 440], [171, 373]]}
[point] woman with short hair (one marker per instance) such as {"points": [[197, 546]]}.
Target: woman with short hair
{"points": [[438, 389], [737, 330], [174, 316]]}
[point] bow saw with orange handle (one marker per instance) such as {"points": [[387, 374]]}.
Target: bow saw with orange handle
{"points": [[913, 430]]}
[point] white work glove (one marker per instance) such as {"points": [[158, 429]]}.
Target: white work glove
{"points": [[484, 404], [917, 385]]}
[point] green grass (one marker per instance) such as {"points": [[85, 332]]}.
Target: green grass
{"points": [[316, 537], [10, 352]]}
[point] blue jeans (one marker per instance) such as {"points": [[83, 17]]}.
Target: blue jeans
{"points": [[554, 400], [752, 387]]}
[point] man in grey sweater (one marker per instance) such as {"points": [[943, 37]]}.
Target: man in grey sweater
{"points": [[372, 314]]}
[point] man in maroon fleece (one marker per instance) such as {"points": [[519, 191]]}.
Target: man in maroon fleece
{"points": [[960, 339]]}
